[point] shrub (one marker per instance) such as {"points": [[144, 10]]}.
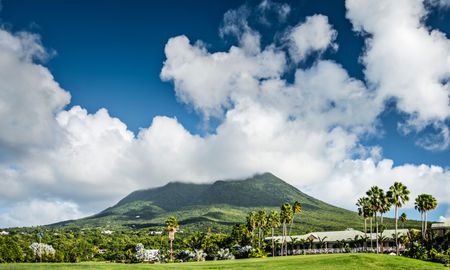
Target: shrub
{"points": [[442, 258], [242, 252], [417, 251], [347, 248], [224, 254]]}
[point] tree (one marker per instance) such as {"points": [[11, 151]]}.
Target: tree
{"points": [[403, 219], [251, 223], [429, 204], [375, 195], [385, 206], [397, 195], [261, 220], [425, 203], [296, 208], [172, 225], [10, 251], [285, 217], [363, 210], [419, 206], [274, 222]]}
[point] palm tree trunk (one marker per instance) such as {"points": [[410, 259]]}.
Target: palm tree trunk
{"points": [[171, 257], [365, 230], [273, 245], [282, 242], [381, 225], [290, 229], [425, 225], [396, 235], [421, 214], [371, 227], [259, 237], [376, 230], [285, 241]]}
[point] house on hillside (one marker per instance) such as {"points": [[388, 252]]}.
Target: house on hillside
{"points": [[4, 233], [334, 241], [441, 228]]}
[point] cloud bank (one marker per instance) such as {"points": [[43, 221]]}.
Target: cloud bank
{"points": [[306, 130]]}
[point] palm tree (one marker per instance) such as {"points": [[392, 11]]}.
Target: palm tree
{"points": [[403, 238], [251, 223], [376, 196], [285, 217], [430, 204], [419, 206], [370, 214], [403, 219], [398, 195], [385, 205], [322, 241], [363, 204], [261, 222], [296, 208], [274, 222], [172, 225]]}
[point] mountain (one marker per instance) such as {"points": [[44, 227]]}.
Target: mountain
{"points": [[220, 205]]}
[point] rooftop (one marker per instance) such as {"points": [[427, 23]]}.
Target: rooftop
{"points": [[334, 236]]}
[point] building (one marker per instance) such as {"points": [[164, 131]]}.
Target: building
{"points": [[441, 228], [334, 241], [4, 233]]}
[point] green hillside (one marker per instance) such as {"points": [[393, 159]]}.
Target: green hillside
{"points": [[220, 205]]}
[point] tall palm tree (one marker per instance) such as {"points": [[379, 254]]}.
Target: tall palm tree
{"points": [[375, 195], [385, 205], [398, 195], [370, 214], [261, 222], [363, 204], [274, 222], [296, 208], [419, 206], [430, 204], [172, 225], [251, 223], [403, 219], [285, 217]]}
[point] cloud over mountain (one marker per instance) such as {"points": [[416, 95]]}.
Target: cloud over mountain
{"points": [[307, 130]]}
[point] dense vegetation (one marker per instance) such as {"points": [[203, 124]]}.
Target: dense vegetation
{"points": [[218, 206]]}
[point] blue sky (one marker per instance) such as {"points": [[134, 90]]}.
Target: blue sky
{"points": [[110, 54]]}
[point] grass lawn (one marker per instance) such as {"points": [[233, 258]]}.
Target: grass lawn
{"points": [[332, 261]]}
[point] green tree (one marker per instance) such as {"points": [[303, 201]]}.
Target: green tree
{"points": [[430, 204], [251, 223], [403, 219], [385, 206], [419, 206], [261, 220], [375, 195], [397, 195], [274, 222], [172, 225], [363, 210], [296, 209], [10, 251], [285, 217]]}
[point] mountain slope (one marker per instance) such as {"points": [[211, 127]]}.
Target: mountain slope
{"points": [[220, 205]]}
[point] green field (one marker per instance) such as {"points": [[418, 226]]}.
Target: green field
{"points": [[333, 261]]}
